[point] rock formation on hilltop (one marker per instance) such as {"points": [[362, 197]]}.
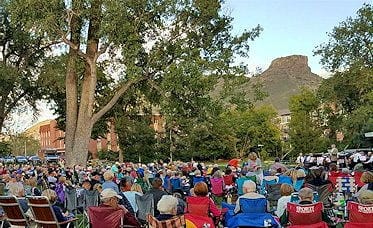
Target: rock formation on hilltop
{"points": [[284, 78]]}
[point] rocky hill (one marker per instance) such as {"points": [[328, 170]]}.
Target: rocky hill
{"points": [[284, 77]]}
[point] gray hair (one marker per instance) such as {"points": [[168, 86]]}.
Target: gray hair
{"points": [[249, 186], [306, 194], [167, 204]]}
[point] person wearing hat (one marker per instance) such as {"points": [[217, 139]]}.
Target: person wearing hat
{"points": [[110, 198]]}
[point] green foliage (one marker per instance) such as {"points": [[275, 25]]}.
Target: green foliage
{"points": [[306, 132], [350, 43], [347, 95], [5, 149], [108, 155], [137, 138], [20, 143], [22, 54], [253, 127]]}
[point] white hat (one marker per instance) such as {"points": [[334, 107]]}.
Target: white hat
{"points": [[108, 193]]}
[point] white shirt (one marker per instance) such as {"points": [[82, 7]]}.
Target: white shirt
{"points": [[281, 205]]}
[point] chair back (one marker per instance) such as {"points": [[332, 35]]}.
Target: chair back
{"points": [[346, 184], [360, 213], [217, 186], [305, 214], [91, 198], [285, 180], [145, 204], [357, 177], [298, 184], [71, 202], [197, 205], [324, 193], [240, 181], [105, 217], [228, 179], [253, 205], [175, 222], [42, 211], [13, 211], [273, 192]]}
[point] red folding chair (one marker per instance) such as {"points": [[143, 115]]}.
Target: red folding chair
{"points": [[309, 215], [360, 215], [106, 217]]}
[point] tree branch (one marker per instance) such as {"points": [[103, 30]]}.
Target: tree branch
{"points": [[115, 98], [14, 103]]}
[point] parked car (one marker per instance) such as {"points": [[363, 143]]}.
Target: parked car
{"points": [[21, 159], [51, 158], [34, 160], [9, 160]]}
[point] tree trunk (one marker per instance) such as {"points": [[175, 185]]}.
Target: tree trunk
{"points": [[71, 84]]}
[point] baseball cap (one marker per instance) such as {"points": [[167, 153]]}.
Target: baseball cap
{"points": [[108, 193]]}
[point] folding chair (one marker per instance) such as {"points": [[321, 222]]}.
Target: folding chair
{"points": [[175, 222], [324, 193], [308, 216], [13, 212], [198, 205], [360, 215], [295, 197], [44, 214], [145, 204], [253, 205], [106, 217], [240, 181], [285, 180], [273, 194]]}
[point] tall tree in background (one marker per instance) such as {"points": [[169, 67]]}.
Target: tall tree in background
{"points": [[20, 56], [136, 41], [347, 95], [306, 132]]}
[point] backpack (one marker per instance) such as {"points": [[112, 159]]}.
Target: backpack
{"points": [[217, 186]]}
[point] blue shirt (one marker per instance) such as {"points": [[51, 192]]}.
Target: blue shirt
{"points": [[110, 184]]}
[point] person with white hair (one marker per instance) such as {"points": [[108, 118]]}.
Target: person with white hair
{"points": [[167, 207], [109, 183], [249, 190]]}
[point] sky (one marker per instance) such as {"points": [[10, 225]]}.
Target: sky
{"points": [[290, 27]]}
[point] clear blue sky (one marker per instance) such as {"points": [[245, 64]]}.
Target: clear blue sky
{"points": [[290, 26]]}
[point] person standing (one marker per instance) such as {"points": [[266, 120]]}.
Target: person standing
{"points": [[334, 154]]}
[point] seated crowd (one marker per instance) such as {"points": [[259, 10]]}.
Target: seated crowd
{"points": [[204, 196]]}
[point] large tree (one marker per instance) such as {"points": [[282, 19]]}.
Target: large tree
{"points": [[136, 41], [347, 95], [20, 56]]}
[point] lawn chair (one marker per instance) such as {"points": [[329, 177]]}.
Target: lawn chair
{"points": [[346, 185], [175, 222], [145, 204], [273, 194], [253, 205], [324, 193], [106, 217], [240, 181], [43, 213], [360, 215], [13, 212], [71, 203], [307, 216]]}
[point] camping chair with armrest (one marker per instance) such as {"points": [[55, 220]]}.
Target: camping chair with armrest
{"points": [[308, 215], [44, 214], [106, 217], [346, 185], [324, 193], [273, 194], [360, 215], [145, 204], [253, 205], [13, 212], [175, 222], [240, 181]]}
